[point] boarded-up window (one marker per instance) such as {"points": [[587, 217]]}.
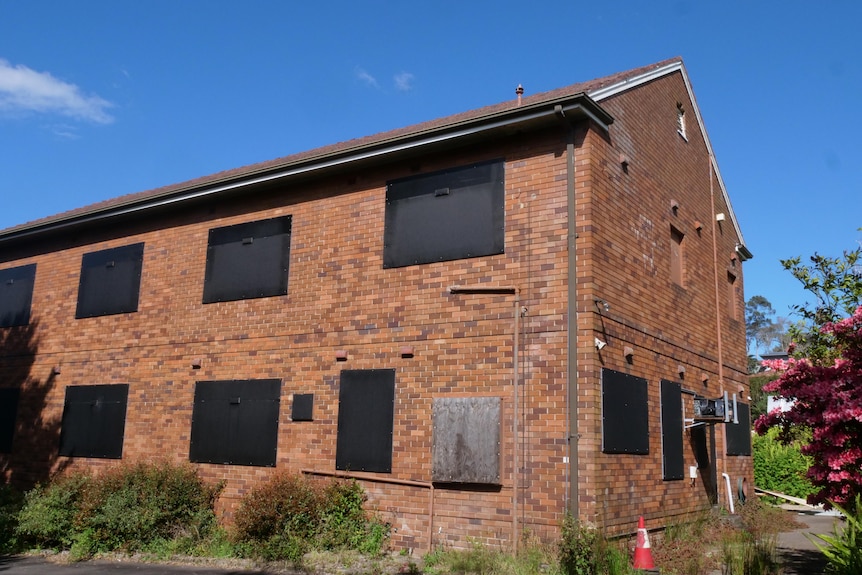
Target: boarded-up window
{"points": [[94, 421], [671, 430], [366, 408], [248, 260], [8, 413], [236, 422], [110, 281], [443, 216], [739, 434], [466, 445], [625, 413], [676, 257], [732, 297], [16, 295]]}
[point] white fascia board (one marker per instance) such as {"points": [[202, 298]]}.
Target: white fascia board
{"points": [[612, 90]]}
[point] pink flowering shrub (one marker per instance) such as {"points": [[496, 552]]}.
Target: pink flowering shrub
{"points": [[828, 400]]}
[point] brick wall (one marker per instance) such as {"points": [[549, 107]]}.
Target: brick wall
{"points": [[340, 298]]}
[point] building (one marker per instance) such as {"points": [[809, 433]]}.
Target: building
{"points": [[488, 319]]}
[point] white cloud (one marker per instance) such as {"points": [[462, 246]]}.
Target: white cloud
{"points": [[366, 77], [404, 81], [25, 90]]}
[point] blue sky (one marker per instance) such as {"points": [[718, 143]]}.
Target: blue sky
{"points": [[104, 98]]}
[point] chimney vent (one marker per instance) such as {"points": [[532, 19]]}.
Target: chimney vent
{"points": [[520, 92]]}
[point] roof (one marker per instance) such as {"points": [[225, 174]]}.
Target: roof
{"points": [[580, 98]]}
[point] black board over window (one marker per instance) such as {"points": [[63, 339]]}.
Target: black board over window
{"points": [[16, 295], [8, 415], [672, 452], [248, 260], [94, 421], [110, 281], [443, 216], [625, 413], [366, 407], [235, 422], [739, 434]]}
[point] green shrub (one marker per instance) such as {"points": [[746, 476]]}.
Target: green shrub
{"points": [[130, 507], [11, 501], [287, 506], [291, 514], [779, 467], [843, 549], [134, 506], [48, 517]]}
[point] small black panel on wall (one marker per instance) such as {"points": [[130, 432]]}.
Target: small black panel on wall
{"points": [[94, 421], [625, 413], [673, 463], [110, 281], [235, 422], [739, 434], [303, 407], [16, 295], [366, 411], [443, 216], [248, 260], [8, 413]]}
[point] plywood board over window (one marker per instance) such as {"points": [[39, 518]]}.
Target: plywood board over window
{"points": [[366, 409], [16, 295], [248, 260], [625, 413], [443, 216], [110, 281], [236, 422], [466, 446], [94, 421], [739, 434], [671, 431], [8, 417]]}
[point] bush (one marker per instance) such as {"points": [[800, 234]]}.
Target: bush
{"points": [[291, 514], [11, 501], [48, 517], [130, 507], [134, 506], [779, 467]]}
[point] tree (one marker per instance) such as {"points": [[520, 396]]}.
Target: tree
{"points": [[823, 379], [828, 400], [763, 331], [836, 283], [758, 320]]}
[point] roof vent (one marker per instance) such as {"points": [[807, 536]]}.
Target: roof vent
{"points": [[520, 92]]}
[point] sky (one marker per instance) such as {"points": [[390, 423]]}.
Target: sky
{"points": [[101, 98]]}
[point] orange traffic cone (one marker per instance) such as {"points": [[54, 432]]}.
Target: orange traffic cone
{"points": [[643, 554]]}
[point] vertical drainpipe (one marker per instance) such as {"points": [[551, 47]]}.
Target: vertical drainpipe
{"points": [[717, 281], [572, 316]]}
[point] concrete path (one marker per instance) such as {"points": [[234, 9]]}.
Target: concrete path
{"points": [[797, 553]]}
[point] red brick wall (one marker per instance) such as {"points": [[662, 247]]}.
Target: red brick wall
{"points": [[625, 232], [340, 298]]}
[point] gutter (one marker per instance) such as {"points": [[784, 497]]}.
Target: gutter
{"points": [[577, 105]]}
